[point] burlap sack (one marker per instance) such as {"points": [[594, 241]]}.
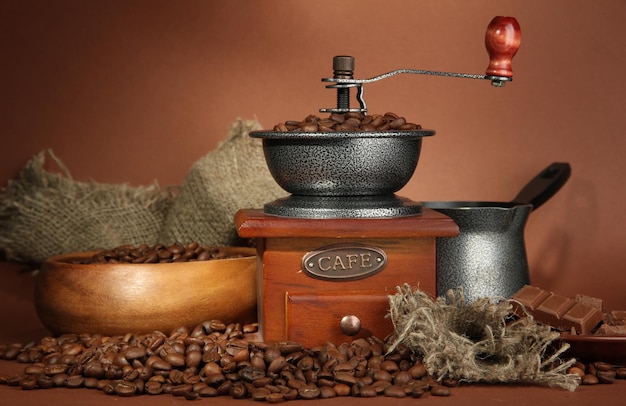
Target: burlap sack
{"points": [[232, 177], [44, 214]]}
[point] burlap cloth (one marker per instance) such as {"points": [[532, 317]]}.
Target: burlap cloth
{"points": [[44, 213], [479, 341]]}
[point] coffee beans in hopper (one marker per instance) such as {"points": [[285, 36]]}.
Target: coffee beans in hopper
{"points": [[159, 253], [347, 122], [215, 359]]}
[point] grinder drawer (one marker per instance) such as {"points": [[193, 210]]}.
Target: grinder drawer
{"points": [[320, 314]]}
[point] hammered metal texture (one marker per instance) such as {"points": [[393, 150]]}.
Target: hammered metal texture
{"points": [[488, 257], [342, 164], [328, 207]]}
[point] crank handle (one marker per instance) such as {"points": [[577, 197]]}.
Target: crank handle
{"points": [[502, 40]]}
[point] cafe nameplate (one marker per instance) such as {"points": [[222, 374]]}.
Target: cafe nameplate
{"points": [[344, 261]]}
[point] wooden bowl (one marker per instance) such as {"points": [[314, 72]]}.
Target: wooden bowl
{"points": [[113, 299]]}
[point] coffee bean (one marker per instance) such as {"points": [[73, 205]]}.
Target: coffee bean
{"points": [[602, 366], [252, 374], [35, 369], [74, 381], [397, 123], [296, 384], [341, 389], [250, 328], [450, 382], [439, 390], [418, 371], [23, 357], [606, 376], [290, 394], [135, 352], [309, 391], [367, 391], [414, 391], [153, 388], [589, 379], [277, 365], [574, 370], [389, 366], [177, 377], [174, 359], [215, 380], [381, 375], [238, 390], [12, 351], [181, 389], [59, 379], [191, 395], [214, 326], [55, 369], [28, 383], [345, 378], [193, 359], [395, 391], [161, 365], [90, 383], [44, 382], [327, 392], [380, 386], [289, 347], [124, 389], [109, 388], [402, 378], [275, 398], [207, 392]]}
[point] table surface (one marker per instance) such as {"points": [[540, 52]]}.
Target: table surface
{"points": [[19, 323]]}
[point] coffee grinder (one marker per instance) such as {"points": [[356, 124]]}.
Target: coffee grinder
{"points": [[331, 253]]}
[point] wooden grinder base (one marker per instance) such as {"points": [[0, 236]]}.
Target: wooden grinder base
{"points": [[293, 305]]}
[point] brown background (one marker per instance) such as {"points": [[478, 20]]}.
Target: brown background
{"points": [[137, 91]]}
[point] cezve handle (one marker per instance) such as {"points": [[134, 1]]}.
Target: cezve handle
{"points": [[543, 186]]}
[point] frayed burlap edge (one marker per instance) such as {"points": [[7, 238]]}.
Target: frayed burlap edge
{"points": [[479, 341]]}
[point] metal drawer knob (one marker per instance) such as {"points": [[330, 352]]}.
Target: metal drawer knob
{"points": [[350, 325]]}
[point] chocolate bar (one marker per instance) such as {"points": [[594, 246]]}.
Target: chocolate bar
{"points": [[560, 312]]}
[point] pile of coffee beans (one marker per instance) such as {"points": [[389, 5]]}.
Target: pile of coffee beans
{"points": [[597, 372], [351, 121], [159, 253], [215, 359]]}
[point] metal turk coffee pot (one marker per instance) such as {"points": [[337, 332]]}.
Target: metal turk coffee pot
{"points": [[488, 257]]}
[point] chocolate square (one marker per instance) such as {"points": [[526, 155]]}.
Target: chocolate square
{"points": [[583, 318]]}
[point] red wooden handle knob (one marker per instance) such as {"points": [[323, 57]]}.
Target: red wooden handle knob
{"points": [[502, 41]]}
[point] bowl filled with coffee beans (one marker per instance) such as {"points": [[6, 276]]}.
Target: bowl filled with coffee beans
{"points": [[345, 154], [146, 288]]}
